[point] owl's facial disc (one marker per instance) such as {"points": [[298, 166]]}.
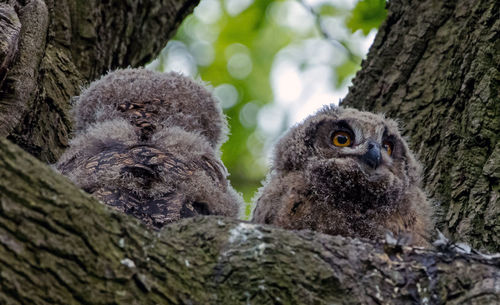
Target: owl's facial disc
{"points": [[370, 144]]}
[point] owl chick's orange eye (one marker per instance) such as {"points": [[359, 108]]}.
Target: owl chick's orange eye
{"points": [[341, 139], [388, 146]]}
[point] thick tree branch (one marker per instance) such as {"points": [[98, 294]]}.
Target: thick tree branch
{"points": [[60, 246]]}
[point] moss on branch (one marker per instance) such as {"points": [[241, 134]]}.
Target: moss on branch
{"points": [[58, 245]]}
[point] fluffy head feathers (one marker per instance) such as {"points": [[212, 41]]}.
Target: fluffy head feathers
{"points": [[169, 99]]}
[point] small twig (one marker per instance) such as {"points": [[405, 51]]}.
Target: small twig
{"points": [[336, 43]]}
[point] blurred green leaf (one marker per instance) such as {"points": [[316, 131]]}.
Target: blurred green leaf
{"points": [[328, 9], [367, 15], [345, 71]]}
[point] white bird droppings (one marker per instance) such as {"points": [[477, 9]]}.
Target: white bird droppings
{"points": [[128, 262]]}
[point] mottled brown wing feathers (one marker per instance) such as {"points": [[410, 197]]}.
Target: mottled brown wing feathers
{"points": [[144, 166], [154, 212]]}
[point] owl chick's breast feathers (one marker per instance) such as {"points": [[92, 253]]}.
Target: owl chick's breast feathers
{"points": [[347, 172], [147, 143]]}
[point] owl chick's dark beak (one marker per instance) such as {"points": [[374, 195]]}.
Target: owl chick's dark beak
{"points": [[372, 157]]}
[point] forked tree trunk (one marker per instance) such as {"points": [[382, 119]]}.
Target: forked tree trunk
{"points": [[435, 65], [60, 246]]}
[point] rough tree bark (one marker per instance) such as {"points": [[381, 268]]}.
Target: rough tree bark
{"points": [[60, 246], [61, 46], [435, 65]]}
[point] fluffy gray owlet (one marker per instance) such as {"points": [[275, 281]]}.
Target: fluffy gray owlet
{"points": [[345, 172], [147, 143]]}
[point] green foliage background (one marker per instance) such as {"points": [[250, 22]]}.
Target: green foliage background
{"points": [[221, 45]]}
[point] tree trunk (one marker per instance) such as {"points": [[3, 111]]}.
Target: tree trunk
{"points": [[61, 46], [435, 66], [60, 246]]}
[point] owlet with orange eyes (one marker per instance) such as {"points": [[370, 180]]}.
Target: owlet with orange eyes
{"points": [[346, 172]]}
